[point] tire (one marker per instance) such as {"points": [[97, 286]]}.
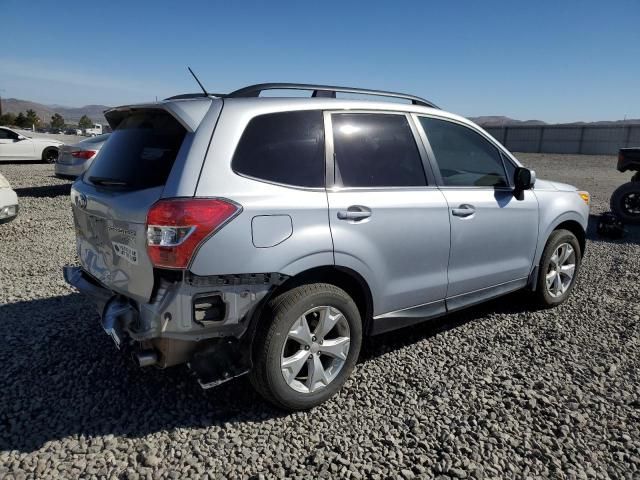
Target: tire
{"points": [[50, 155], [557, 293], [625, 203], [274, 346]]}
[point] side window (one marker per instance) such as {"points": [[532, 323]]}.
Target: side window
{"points": [[375, 150], [464, 157], [285, 147], [7, 135]]}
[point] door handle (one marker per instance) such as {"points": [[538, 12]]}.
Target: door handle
{"points": [[463, 211], [354, 213]]}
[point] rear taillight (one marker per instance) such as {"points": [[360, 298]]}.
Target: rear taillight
{"points": [[176, 227], [85, 154]]}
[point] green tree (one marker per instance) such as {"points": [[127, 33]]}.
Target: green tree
{"points": [[21, 121], [57, 121], [32, 118], [85, 122], [8, 119]]}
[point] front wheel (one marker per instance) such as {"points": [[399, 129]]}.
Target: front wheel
{"points": [[625, 202], [309, 348], [559, 268]]}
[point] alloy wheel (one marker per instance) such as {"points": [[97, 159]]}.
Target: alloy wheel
{"points": [[315, 349], [631, 204], [51, 156], [561, 269]]}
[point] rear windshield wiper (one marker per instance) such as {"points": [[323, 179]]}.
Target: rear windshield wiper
{"points": [[106, 181]]}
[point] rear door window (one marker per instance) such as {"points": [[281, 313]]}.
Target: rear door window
{"points": [[7, 134], [284, 147], [375, 150], [465, 158], [140, 152]]}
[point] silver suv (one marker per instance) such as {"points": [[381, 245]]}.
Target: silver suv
{"points": [[240, 233]]}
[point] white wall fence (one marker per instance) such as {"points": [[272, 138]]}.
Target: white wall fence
{"points": [[582, 139]]}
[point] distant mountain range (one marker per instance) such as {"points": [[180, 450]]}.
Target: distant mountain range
{"points": [[70, 114], [95, 113], [499, 121]]}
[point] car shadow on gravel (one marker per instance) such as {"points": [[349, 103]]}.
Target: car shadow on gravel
{"points": [[513, 303], [44, 191], [62, 377]]}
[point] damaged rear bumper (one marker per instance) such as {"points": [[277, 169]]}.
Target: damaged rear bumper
{"points": [[195, 320]]}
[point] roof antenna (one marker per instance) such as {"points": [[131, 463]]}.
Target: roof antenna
{"points": [[194, 76]]}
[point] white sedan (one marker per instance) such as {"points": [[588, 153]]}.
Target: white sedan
{"points": [[8, 201], [14, 146]]}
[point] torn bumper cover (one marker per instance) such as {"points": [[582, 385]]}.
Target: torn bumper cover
{"points": [[201, 321], [116, 314]]}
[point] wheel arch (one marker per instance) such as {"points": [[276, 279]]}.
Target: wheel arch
{"points": [[47, 149], [575, 228], [342, 277], [572, 221]]}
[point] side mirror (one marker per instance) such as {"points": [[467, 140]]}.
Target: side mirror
{"points": [[21, 137], [524, 179]]}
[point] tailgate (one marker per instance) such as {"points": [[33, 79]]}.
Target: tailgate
{"points": [[111, 238], [111, 201]]}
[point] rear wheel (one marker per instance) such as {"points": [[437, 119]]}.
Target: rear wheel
{"points": [[625, 202], [50, 155], [559, 268], [309, 349]]}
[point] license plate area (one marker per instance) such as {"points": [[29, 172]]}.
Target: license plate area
{"points": [[130, 254]]}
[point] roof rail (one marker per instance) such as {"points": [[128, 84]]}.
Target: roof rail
{"points": [[194, 95], [324, 91]]}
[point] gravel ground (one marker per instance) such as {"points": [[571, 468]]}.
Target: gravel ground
{"points": [[497, 391]]}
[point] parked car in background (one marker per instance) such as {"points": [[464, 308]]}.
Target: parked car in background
{"points": [[15, 146], [93, 131], [625, 200], [8, 201], [75, 159], [241, 234]]}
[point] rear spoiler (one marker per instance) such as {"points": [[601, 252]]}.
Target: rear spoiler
{"points": [[189, 113]]}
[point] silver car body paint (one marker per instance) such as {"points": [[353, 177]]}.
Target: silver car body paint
{"points": [[416, 256]]}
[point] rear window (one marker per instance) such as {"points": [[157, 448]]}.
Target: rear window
{"points": [[285, 148], [140, 152]]}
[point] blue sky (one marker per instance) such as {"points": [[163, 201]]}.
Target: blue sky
{"points": [[549, 60]]}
